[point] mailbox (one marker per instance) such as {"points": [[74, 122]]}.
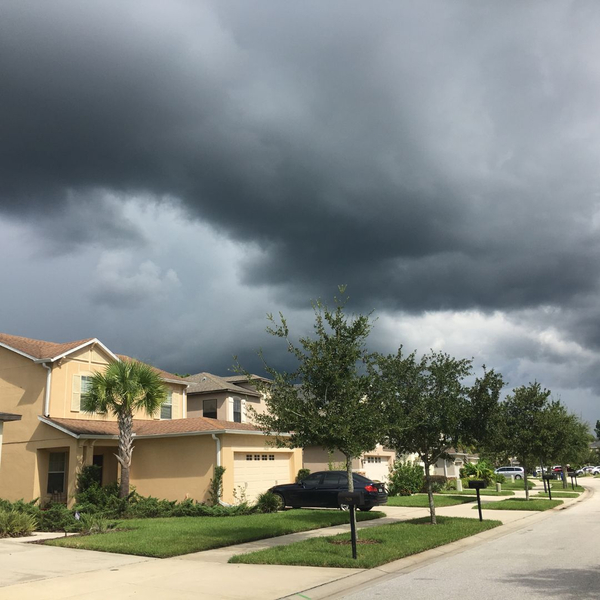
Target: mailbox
{"points": [[351, 498], [477, 484], [571, 474]]}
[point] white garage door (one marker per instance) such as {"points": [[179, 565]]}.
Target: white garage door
{"points": [[255, 472], [376, 467]]}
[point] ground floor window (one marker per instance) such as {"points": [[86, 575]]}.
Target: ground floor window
{"points": [[56, 472]]}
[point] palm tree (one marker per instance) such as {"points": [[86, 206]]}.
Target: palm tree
{"points": [[123, 388]]}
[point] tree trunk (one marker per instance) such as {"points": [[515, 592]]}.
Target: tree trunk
{"points": [[430, 494], [125, 450], [350, 486], [525, 480]]}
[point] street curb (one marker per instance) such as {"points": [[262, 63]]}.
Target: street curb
{"points": [[365, 577]]}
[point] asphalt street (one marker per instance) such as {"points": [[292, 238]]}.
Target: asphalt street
{"points": [[558, 557]]}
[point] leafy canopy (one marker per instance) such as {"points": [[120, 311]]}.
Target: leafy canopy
{"points": [[324, 402]]}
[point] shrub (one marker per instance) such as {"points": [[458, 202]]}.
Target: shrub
{"points": [[480, 470], [268, 502], [148, 507], [90, 524], [405, 478], [215, 486], [302, 474], [438, 483], [499, 478], [57, 517], [15, 524]]}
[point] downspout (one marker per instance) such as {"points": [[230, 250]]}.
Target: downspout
{"points": [[47, 393], [214, 437]]}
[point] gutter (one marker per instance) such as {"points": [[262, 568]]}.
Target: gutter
{"points": [[47, 392]]}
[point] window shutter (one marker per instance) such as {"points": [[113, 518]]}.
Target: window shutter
{"points": [[76, 395], [175, 406]]}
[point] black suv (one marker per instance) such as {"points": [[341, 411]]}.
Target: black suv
{"points": [[322, 488]]}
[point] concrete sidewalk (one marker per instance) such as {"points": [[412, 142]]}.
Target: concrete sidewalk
{"points": [[45, 572]]}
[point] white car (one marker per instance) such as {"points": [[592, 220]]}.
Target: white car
{"points": [[595, 471], [516, 472]]}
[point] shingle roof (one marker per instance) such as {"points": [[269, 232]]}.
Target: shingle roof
{"points": [[151, 427], [39, 349], [163, 374], [202, 383]]}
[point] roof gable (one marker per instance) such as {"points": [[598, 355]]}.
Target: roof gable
{"points": [[39, 349], [203, 383]]}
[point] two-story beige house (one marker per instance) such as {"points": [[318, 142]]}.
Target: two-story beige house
{"points": [[175, 452]]}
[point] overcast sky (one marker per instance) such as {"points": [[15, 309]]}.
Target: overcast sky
{"points": [[170, 172]]}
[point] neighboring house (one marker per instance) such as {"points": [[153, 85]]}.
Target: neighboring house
{"points": [[175, 452], [374, 464], [4, 417], [226, 398], [451, 466]]}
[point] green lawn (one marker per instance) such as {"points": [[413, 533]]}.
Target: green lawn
{"points": [[558, 486], [517, 485], [422, 500], [484, 492], [391, 542], [521, 504], [162, 538], [559, 494]]}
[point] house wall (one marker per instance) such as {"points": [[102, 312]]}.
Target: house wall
{"points": [[224, 405], [174, 468], [194, 404], [88, 361]]}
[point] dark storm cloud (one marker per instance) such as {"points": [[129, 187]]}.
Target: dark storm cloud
{"points": [[431, 156]]}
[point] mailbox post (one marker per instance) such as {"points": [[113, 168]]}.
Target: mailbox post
{"points": [[352, 500], [477, 484], [549, 477], [573, 476]]}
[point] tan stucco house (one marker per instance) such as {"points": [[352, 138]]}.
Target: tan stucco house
{"points": [[175, 452]]}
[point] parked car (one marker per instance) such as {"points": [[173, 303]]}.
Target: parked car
{"points": [[516, 472], [321, 489], [595, 471]]}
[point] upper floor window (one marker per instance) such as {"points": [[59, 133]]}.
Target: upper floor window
{"points": [[209, 409], [237, 410], [166, 409], [86, 384]]}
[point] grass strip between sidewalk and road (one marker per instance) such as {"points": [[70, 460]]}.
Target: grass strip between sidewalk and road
{"points": [[557, 494], [162, 538], [377, 545], [558, 486], [521, 504], [483, 492], [422, 500]]}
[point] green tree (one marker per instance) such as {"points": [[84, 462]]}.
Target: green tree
{"points": [[524, 422], [597, 430], [122, 389], [564, 437], [325, 401], [429, 409]]}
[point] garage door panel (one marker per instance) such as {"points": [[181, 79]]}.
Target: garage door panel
{"points": [[256, 473]]}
